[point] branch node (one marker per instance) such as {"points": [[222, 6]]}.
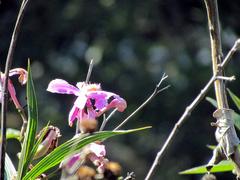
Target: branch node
{"points": [[232, 78]]}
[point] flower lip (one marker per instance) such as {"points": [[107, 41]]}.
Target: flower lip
{"points": [[22, 74]]}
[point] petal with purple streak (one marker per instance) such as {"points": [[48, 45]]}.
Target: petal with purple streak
{"points": [[73, 115], [62, 87]]}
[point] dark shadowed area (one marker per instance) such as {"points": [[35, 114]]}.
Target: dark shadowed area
{"points": [[132, 43]]}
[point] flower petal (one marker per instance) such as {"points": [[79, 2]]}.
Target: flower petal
{"points": [[62, 87], [73, 115], [12, 93], [103, 101], [118, 103], [98, 149], [81, 101], [22, 74]]}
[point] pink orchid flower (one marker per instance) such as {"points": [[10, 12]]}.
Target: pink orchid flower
{"points": [[91, 101], [22, 79], [94, 152]]}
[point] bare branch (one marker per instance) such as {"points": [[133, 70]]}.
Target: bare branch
{"points": [[155, 92], [186, 114], [8, 65], [225, 132], [105, 120], [232, 78]]}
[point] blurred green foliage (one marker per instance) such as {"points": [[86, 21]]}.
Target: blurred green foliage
{"points": [[133, 43]]}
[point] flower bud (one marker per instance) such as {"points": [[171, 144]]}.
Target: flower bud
{"points": [[49, 142]]}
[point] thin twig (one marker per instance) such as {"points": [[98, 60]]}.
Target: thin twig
{"points": [[187, 113], [89, 71], [155, 92], [105, 120], [90, 67], [8, 65]]}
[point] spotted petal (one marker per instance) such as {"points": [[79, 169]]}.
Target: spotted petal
{"points": [[62, 87], [103, 101]]}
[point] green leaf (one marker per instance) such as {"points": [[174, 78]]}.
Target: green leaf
{"points": [[68, 148], [235, 116], [10, 170], [236, 119], [212, 101], [29, 139], [212, 147], [235, 99], [12, 134], [223, 166]]}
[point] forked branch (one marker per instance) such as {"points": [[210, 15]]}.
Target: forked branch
{"points": [[188, 112]]}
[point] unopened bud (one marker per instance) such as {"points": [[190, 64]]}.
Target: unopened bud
{"points": [[49, 142]]}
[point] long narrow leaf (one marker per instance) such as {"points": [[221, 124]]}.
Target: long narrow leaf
{"points": [[223, 166], [212, 101], [235, 99], [68, 148], [235, 116], [30, 134], [10, 170]]}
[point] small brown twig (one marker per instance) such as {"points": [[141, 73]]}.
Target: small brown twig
{"points": [[8, 65], [155, 92], [188, 112]]}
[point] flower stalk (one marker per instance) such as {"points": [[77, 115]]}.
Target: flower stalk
{"points": [[4, 98]]}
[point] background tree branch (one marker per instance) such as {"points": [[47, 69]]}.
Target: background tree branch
{"points": [[187, 113], [225, 132]]}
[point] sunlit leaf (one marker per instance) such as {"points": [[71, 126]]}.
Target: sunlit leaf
{"points": [[10, 170], [223, 166], [68, 148], [12, 134], [235, 99], [212, 147], [212, 101], [29, 139]]}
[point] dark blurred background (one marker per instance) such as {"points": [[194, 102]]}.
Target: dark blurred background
{"points": [[132, 43]]}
